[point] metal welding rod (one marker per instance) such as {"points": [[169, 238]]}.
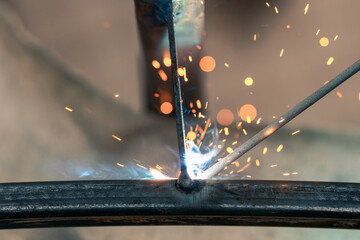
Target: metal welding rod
{"points": [[278, 123], [184, 180]]}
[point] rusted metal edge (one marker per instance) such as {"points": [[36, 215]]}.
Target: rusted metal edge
{"points": [[159, 202]]}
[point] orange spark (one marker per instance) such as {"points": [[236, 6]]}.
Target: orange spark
{"points": [[265, 150], [296, 132], [306, 9], [207, 64], [163, 75], [330, 61], [117, 138], [198, 104], [141, 166], [166, 108], [339, 94], [155, 64], [167, 59], [244, 167]]}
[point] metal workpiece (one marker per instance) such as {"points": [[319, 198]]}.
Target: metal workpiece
{"points": [[159, 202]]}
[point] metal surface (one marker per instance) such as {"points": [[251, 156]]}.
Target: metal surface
{"points": [[159, 202], [281, 121]]}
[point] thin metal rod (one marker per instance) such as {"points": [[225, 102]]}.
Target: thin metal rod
{"points": [[281, 121], [184, 178]]}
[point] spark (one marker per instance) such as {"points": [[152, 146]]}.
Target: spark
{"points": [[359, 96], [163, 75], [181, 71], [274, 165], [317, 33], [226, 130], [141, 166], [117, 138], [68, 109], [229, 150], [255, 37], [245, 132], [243, 168], [155, 64], [156, 95], [330, 61], [286, 174], [306, 9], [234, 143], [120, 165], [281, 53], [198, 47], [157, 174], [339, 94], [198, 104], [226, 65], [326, 82], [257, 162], [282, 120], [294, 173], [190, 58], [258, 121], [288, 26], [265, 150], [206, 105], [276, 10], [248, 159], [280, 147], [167, 59], [267, 4], [336, 37], [116, 95], [248, 119], [296, 132]]}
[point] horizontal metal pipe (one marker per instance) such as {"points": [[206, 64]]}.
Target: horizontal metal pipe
{"points": [[159, 202]]}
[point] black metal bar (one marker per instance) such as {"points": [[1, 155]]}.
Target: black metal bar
{"points": [[159, 202]]}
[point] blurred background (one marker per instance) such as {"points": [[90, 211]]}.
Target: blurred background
{"points": [[76, 102]]}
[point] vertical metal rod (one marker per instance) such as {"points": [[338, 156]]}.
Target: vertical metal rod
{"points": [[184, 180], [280, 122]]}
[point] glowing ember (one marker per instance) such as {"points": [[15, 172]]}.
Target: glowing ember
{"points": [[166, 108], [120, 165], [267, 4], [246, 111], [191, 136], [225, 117], [339, 94], [324, 42], [117, 138], [257, 162], [167, 59], [181, 71], [155, 64], [198, 104], [336, 37], [281, 52], [317, 32], [265, 150], [296, 132], [226, 65], [163, 75], [330, 61], [306, 9], [288, 26], [190, 58], [276, 10], [68, 109], [207, 64], [229, 150], [280, 147], [248, 81], [116, 95]]}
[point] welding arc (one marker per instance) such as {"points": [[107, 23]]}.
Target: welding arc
{"points": [[281, 121]]}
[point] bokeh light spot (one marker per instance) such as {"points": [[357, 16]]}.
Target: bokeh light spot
{"points": [[166, 108], [324, 42], [249, 81], [225, 117], [207, 64], [247, 112]]}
